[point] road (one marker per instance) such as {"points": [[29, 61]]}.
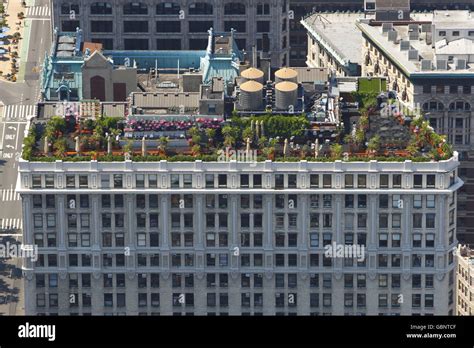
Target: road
{"points": [[17, 102]]}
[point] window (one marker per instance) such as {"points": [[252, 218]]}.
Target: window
{"points": [[417, 220], [349, 201], [200, 8], [383, 201], [383, 180], [418, 181], [263, 9], [430, 220], [314, 180], [168, 8], [348, 181], [101, 8], [118, 181], [397, 180], [222, 180], [361, 180], [327, 180], [417, 201], [135, 8]]}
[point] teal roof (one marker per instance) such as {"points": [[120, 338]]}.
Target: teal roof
{"points": [[164, 59], [219, 67]]}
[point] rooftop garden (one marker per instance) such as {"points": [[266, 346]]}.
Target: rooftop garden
{"points": [[391, 137]]}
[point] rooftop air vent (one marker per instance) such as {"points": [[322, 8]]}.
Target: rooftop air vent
{"points": [[404, 45], [441, 64], [386, 27], [425, 65], [413, 27], [460, 64], [412, 54], [413, 35], [426, 28], [392, 36]]}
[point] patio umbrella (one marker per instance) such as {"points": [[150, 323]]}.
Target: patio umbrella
{"points": [[109, 145], [285, 148], [143, 147], [2, 51], [4, 29], [46, 145], [3, 35], [2, 42], [78, 145]]}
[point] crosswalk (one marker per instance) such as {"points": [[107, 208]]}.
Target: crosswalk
{"points": [[37, 11], [19, 112], [10, 195], [11, 224]]}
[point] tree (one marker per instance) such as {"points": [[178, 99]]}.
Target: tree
{"points": [[163, 145], [247, 133], [229, 141], [336, 151], [60, 147], [359, 137], [128, 147], [196, 150], [55, 126], [210, 134], [374, 143], [261, 142]]}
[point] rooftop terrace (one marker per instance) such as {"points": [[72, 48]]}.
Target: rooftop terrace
{"points": [[382, 130]]}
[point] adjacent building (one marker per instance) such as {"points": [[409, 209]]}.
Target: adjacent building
{"points": [[465, 281], [429, 63], [178, 25], [334, 42]]}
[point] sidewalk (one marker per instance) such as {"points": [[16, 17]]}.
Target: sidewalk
{"points": [[12, 8]]}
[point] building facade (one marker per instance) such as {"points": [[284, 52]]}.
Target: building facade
{"points": [[465, 281], [178, 25], [429, 64], [236, 238]]}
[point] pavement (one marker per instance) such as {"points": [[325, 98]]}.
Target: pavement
{"points": [[17, 102]]}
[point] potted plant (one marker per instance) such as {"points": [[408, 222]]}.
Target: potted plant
{"points": [[374, 145]]}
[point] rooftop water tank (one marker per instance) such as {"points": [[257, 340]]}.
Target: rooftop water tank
{"points": [[286, 95], [251, 96]]}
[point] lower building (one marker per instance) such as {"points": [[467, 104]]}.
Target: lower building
{"points": [[239, 238]]}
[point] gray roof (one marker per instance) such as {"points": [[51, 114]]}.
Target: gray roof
{"points": [[339, 32]]}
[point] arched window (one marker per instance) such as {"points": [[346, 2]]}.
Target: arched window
{"points": [[135, 8], [101, 8], [234, 8], [69, 8], [200, 8], [168, 8], [433, 105], [459, 105]]}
